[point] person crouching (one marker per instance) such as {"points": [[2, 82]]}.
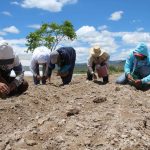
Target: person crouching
{"points": [[98, 61], [10, 61]]}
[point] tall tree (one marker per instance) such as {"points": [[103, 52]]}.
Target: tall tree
{"points": [[50, 35]]}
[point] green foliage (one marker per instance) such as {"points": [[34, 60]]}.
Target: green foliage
{"points": [[50, 35], [82, 69], [115, 69]]}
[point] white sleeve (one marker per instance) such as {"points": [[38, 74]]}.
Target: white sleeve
{"points": [[89, 64], [33, 66]]}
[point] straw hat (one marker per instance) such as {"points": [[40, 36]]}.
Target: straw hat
{"points": [[104, 56], [95, 51]]}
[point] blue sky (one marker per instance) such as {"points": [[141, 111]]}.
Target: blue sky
{"points": [[116, 25]]}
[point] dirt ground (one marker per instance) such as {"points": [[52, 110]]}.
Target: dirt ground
{"points": [[80, 116]]}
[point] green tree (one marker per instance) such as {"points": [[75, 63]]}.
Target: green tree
{"points": [[50, 35]]}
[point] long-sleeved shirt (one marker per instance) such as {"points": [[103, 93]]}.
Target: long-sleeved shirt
{"points": [[40, 56], [66, 60], [132, 64], [16, 66], [95, 60]]}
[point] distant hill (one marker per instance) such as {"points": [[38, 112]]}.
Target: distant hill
{"points": [[115, 66]]}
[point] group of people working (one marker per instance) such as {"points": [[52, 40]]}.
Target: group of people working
{"points": [[136, 70]]}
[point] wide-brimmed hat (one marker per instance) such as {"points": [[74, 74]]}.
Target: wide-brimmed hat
{"points": [[104, 56], [95, 51]]}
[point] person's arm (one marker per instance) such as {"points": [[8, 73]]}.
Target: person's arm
{"points": [[89, 65], [146, 80], [128, 68], [19, 73], [50, 68], [129, 64], [33, 67], [4, 88]]}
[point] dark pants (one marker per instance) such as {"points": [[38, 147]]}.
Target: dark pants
{"points": [[90, 76], [36, 81], [68, 78], [20, 89]]}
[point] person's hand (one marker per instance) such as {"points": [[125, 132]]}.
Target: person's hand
{"points": [[38, 77], [44, 77], [4, 89], [130, 78], [94, 76], [12, 86], [49, 80], [138, 83]]}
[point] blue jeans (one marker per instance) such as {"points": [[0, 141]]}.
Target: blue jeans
{"points": [[142, 72]]}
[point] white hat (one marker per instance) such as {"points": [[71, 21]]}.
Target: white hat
{"points": [[6, 51], [54, 57], [95, 51]]}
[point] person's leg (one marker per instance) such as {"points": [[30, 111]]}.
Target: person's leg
{"points": [[89, 75], [36, 81], [43, 73], [122, 79], [68, 78], [143, 72], [106, 79]]}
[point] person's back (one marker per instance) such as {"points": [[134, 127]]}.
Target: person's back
{"points": [[40, 57], [65, 58]]}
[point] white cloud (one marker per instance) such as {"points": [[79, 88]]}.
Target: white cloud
{"points": [[104, 27], [136, 37], [140, 29], [116, 16], [15, 3], [34, 26], [49, 5], [89, 35], [117, 44], [136, 21], [6, 13], [2, 33], [11, 29]]}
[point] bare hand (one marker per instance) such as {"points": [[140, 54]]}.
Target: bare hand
{"points": [[49, 80], [138, 83], [94, 76], [38, 77], [4, 88], [130, 78]]}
